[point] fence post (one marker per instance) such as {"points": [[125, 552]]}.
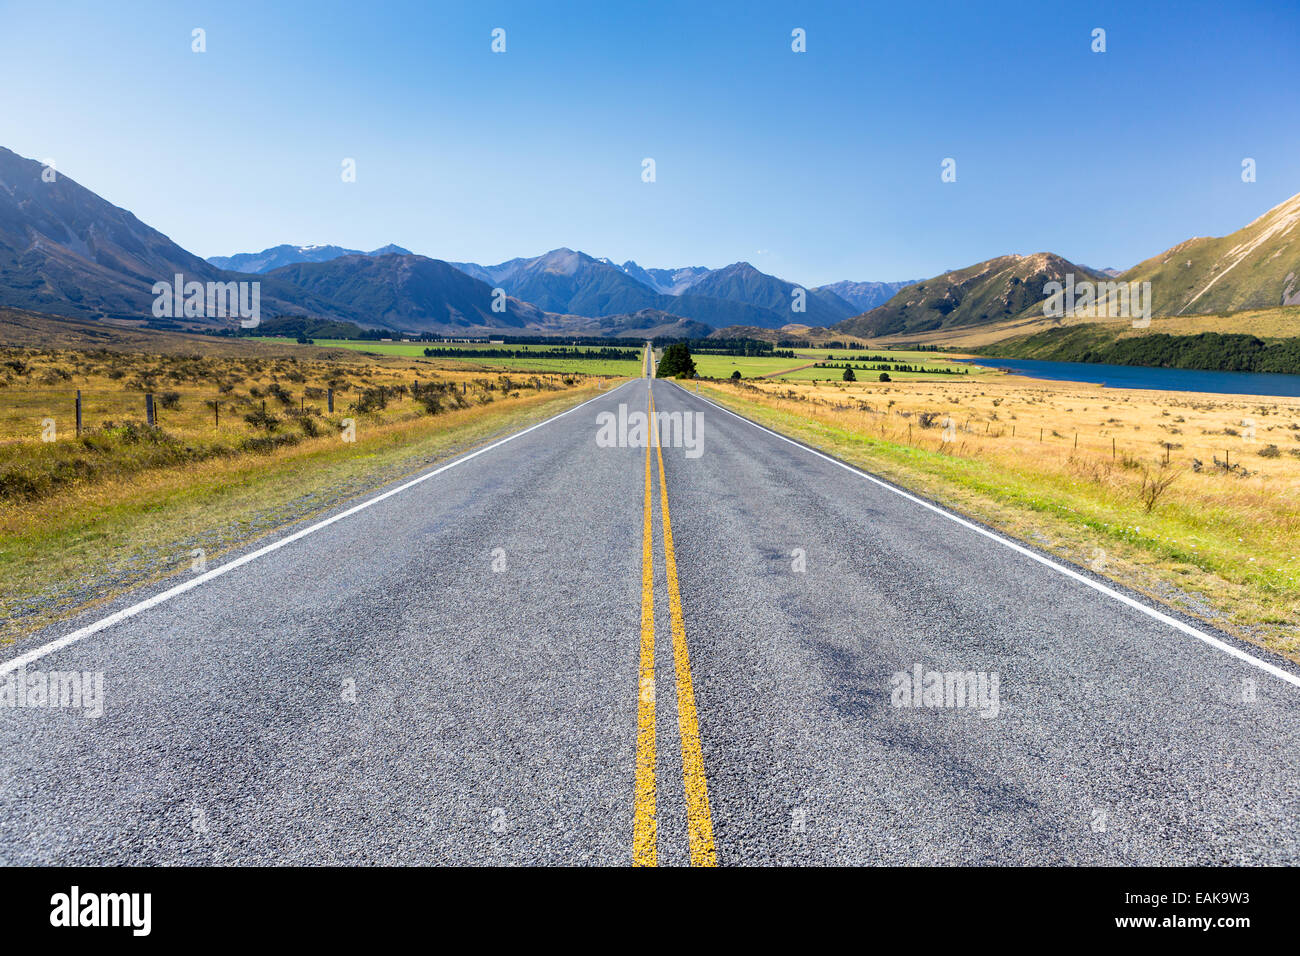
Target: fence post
{"points": [[78, 413], [331, 400], [148, 408]]}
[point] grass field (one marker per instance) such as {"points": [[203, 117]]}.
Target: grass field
{"points": [[721, 366], [707, 365], [803, 368], [1080, 471], [244, 442], [542, 362]]}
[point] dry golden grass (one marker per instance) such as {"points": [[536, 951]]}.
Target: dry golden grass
{"points": [[135, 515], [1064, 466], [37, 383]]}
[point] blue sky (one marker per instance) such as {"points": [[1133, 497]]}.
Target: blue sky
{"points": [[817, 166]]}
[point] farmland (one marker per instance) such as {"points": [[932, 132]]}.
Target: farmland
{"points": [[544, 358], [243, 442], [549, 358], [1191, 498], [827, 365]]}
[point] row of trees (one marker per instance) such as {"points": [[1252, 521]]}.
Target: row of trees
{"points": [[1207, 351], [630, 355]]}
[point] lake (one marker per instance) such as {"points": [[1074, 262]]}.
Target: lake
{"points": [[1163, 379]]}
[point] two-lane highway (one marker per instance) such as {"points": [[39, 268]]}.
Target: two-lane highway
{"points": [[574, 648]]}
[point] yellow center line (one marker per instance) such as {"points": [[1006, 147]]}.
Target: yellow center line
{"points": [[699, 821], [645, 828]]}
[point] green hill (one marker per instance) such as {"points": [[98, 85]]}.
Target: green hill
{"points": [[987, 292], [1256, 267]]}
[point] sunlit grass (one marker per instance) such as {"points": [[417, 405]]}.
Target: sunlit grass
{"points": [[1227, 538], [127, 503]]}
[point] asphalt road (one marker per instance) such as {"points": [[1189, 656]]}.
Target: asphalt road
{"points": [[476, 669]]}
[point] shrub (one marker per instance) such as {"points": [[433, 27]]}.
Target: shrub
{"points": [[276, 390], [265, 444], [884, 377], [170, 400], [849, 376], [1154, 485], [261, 418], [371, 400]]}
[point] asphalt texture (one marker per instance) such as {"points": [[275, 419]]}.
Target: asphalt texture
{"points": [[451, 675]]}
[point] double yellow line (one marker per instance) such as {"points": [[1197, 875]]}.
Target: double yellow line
{"points": [[699, 821]]}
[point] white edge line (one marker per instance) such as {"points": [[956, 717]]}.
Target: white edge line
{"points": [[59, 643], [1173, 622]]}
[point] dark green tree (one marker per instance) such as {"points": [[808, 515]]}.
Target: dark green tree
{"points": [[676, 362], [848, 374], [884, 377], [736, 375]]}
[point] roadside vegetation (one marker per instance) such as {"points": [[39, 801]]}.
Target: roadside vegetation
{"points": [[557, 359], [1193, 499], [241, 444]]}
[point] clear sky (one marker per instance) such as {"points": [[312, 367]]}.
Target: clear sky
{"points": [[814, 166]]}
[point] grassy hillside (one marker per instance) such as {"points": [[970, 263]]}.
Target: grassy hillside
{"points": [[988, 292], [1256, 267]]}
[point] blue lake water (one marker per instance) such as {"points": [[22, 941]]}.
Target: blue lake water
{"points": [[1136, 376]]}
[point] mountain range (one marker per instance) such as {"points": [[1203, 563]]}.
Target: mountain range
{"points": [[992, 291], [573, 282], [286, 255], [1256, 267], [66, 251]]}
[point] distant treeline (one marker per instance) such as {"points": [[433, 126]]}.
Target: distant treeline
{"points": [[806, 344], [750, 347], [617, 355], [869, 358], [1207, 351], [599, 341], [885, 366], [300, 327]]}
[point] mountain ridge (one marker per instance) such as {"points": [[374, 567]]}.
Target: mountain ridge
{"points": [[257, 263]]}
